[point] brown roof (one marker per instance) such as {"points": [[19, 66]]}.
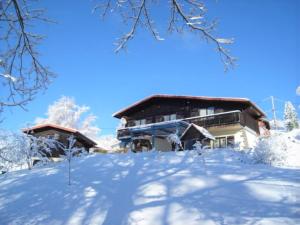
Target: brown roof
{"points": [[120, 113], [41, 127]]}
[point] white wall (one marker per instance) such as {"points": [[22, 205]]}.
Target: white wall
{"points": [[162, 145], [245, 138], [251, 136]]}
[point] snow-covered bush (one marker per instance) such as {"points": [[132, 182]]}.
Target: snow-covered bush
{"points": [[9, 157], [18, 149], [198, 148], [271, 150], [174, 139]]}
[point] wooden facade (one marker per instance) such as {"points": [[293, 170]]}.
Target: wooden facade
{"points": [[62, 134], [210, 113], [225, 111]]}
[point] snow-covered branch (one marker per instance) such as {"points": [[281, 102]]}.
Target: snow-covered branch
{"points": [[187, 15], [18, 149], [70, 150]]}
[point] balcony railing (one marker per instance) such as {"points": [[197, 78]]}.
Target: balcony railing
{"points": [[219, 119]]}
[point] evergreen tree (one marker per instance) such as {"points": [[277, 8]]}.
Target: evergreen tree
{"points": [[290, 116]]}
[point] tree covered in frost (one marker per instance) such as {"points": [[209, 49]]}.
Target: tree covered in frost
{"points": [[8, 154], [70, 150], [200, 150], [18, 149], [65, 112], [271, 150], [290, 116], [198, 147]]}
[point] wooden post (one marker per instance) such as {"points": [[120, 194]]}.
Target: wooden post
{"points": [[131, 140], [177, 147], [153, 138]]}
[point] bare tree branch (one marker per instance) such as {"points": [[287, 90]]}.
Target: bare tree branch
{"points": [[184, 15], [22, 75]]}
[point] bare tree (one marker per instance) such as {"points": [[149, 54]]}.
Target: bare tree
{"points": [[70, 150], [22, 74], [184, 15]]}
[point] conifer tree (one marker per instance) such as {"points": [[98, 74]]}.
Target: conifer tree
{"points": [[290, 116]]}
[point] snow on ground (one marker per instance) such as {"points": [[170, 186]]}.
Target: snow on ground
{"points": [[152, 188], [292, 140]]}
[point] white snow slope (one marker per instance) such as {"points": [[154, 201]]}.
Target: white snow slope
{"points": [[152, 188]]}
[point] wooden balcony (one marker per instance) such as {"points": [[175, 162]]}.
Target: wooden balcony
{"points": [[224, 119], [220, 119], [216, 119]]}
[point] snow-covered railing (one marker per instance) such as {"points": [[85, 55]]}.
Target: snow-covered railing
{"points": [[217, 119], [145, 126], [225, 118]]}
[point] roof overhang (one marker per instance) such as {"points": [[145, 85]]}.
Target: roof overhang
{"points": [[42, 127], [124, 111]]}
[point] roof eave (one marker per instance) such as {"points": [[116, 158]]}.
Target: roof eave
{"points": [[119, 113]]}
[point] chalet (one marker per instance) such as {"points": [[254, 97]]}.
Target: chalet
{"points": [[216, 122], [62, 134]]}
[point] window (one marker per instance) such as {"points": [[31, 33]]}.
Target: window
{"points": [[131, 123], [194, 112], [224, 142], [149, 120], [219, 110], [220, 142], [206, 111], [210, 110], [169, 117], [140, 122], [230, 141], [159, 119], [202, 112], [173, 117]]}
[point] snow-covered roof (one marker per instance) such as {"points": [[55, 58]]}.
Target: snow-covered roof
{"points": [[202, 130], [40, 126], [120, 113], [57, 127]]}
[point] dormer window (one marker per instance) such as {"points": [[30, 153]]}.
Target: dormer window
{"points": [[170, 117]]}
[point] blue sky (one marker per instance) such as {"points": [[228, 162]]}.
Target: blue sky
{"points": [[80, 50]]}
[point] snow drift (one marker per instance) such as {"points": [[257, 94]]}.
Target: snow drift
{"points": [[153, 188], [281, 149]]}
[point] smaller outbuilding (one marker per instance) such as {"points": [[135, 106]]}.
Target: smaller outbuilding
{"points": [[194, 133], [61, 134]]}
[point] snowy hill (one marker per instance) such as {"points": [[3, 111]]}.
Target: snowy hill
{"points": [[151, 188]]}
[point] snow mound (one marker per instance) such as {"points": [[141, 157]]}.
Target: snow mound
{"points": [[280, 149], [153, 188]]}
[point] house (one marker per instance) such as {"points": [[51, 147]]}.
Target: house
{"points": [[62, 134], [216, 122]]}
